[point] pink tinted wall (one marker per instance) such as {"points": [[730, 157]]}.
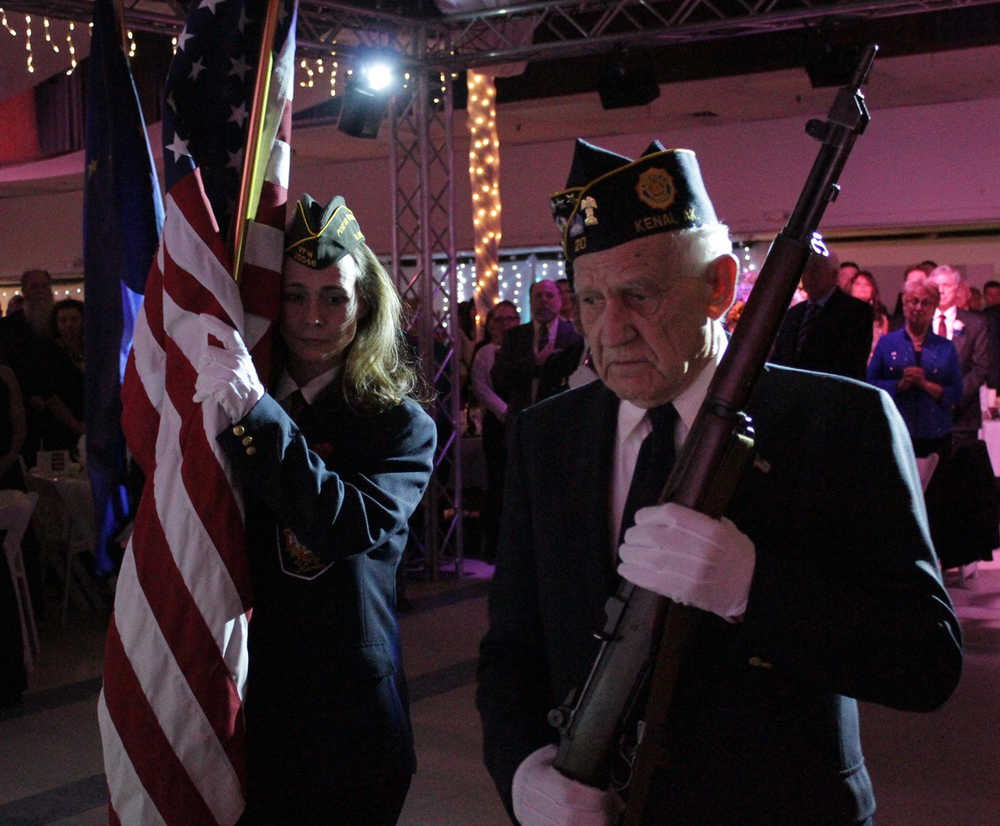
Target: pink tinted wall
{"points": [[913, 166]]}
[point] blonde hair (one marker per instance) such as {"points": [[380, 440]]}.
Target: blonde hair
{"points": [[378, 371]]}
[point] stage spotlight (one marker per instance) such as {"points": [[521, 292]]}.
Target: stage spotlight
{"points": [[379, 76], [627, 80], [366, 99]]}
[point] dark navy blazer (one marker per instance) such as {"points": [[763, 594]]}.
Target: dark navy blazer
{"points": [[846, 602], [327, 502], [514, 368]]}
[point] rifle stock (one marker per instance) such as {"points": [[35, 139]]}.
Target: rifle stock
{"points": [[642, 625]]}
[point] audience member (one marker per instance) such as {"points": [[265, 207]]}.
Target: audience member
{"points": [[991, 312], [919, 369], [66, 408], [535, 359], [12, 426], [968, 332], [31, 353], [12, 434], [566, 294], [911, 272], [502, 317], [465, 344], [845, 274], [865, 288], [829, 333], [16, 304], [962, 490], [991, 294]]}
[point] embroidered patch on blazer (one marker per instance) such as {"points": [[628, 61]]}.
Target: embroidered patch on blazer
{"points": [[297, 560]]}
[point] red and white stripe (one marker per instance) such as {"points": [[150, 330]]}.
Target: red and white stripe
{"points": [[176, 657]]}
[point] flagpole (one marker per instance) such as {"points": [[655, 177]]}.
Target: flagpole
{"points": [[253, 136], [119, 10]]}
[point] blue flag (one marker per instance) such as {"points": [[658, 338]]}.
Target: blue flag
{"points": [[122, 217]]}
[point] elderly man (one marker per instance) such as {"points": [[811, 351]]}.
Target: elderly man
{"points": [[37, 361], [831, 332], [535, 359], [969, 333], [804, 609]]}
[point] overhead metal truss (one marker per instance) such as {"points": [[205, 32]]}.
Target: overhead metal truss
{"points": [[423, 263], [525, 31]]}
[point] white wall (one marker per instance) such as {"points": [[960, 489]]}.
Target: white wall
{"points": [[930, 167]]}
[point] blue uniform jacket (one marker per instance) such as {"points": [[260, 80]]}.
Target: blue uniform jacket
{"points": [[327, 502]]}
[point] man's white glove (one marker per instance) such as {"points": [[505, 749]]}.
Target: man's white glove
{"points": [[544, 796], [226, 374], [690, 558]]}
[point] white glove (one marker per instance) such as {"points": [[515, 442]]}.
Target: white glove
{"points": [[690, 558], [227, 376], [543, 796]]}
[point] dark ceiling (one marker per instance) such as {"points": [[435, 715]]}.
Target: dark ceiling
{"points": [[896, 36]]}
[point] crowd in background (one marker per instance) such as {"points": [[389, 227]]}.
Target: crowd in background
{"points": [[935, 347], [41, 344], [41, 408]]}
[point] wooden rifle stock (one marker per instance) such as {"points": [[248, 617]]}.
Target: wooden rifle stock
{"points": [[641, 624]]}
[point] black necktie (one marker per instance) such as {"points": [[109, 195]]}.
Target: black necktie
{"points": [[543, 337], [652, 467]]}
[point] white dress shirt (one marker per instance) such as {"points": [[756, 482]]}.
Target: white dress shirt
{"points": [[287, 386], [949, 316], [634, 426]]}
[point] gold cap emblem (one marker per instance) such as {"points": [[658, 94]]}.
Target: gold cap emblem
{"points": [[655, 188]]}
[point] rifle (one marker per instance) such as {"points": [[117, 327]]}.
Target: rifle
{"points": [[641, 625]]}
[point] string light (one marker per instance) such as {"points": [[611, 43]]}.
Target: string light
{"points": [[308, 82], [3, 22], [71, 47], [131, 44], [27, 43], [50, 34], [484, 179]]}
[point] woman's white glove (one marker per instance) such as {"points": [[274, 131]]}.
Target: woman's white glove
{"points": [[690, 558], [544, 796], [226, 374]]}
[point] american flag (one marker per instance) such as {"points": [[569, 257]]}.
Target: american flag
{"points": [[176, 655]]}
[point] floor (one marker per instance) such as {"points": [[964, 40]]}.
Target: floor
{"points": [[929, 770]]}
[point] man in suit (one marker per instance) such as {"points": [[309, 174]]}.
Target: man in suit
{"points": [[804, 609], [535, 359], [962, 490], [969, 333], [829, 333]]}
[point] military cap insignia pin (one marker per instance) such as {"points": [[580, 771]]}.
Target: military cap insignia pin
{"points": [[588, 205], [655, 188]]}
